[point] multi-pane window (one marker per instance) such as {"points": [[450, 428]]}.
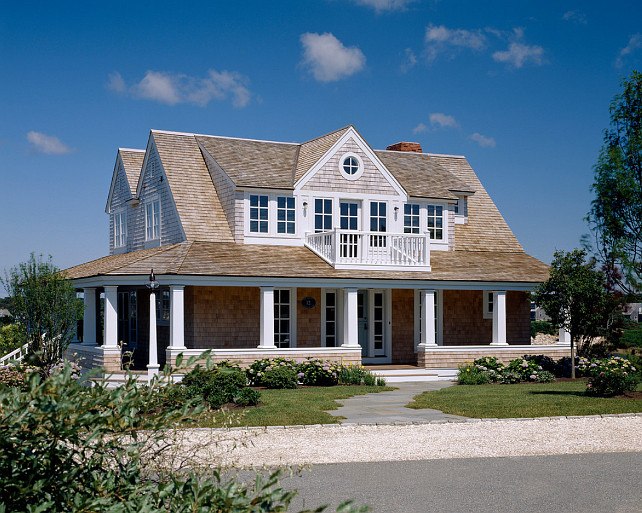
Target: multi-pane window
{"points": [[322, 215], [488, 304], [411, 218], [282, 317], [349, 216], [162, 305], [330, 319], [350, 165], [120, 230], [435, 224], [152, 220], [259, 213], [285, 215], [377, 223]]}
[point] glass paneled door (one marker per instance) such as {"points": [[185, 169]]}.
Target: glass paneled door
{"points": [[349, 220], [371, 321]]}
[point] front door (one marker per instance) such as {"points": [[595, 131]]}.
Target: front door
{"points": [[371, 319]]}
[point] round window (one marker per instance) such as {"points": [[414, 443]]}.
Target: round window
{"points": [[351, 166]]}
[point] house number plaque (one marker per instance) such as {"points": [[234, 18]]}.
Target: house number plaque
{"points": [[308, 303]]}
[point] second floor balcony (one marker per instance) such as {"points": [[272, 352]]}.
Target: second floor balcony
{"points": [[348, 249]]}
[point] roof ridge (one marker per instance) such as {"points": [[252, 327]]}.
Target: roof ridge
{"points": [[189, 134], [428, 154], [329, 133], [137, 150]]}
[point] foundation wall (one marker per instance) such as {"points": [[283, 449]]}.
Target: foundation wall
{"points": [[444, 358]]}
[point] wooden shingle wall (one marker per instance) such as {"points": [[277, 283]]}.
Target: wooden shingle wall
{"points": [[329, 178], [403, 326], [308, 320], [239, 217], [120, 195], [222, 317]]}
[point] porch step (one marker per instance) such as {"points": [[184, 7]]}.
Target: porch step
{"points": [[416, 374]]}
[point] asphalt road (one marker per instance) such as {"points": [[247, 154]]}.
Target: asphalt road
{"points": [[604, 482]]}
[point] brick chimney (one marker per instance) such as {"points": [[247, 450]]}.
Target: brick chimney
{"points": [[406, 146]]}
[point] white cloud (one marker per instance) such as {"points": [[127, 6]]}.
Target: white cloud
{"points": [[441, 39], [419, 128], [635, 43], [327, 59], [483, 141], [519, 54], [410, 59], [170, 88], [575, 16], [442, 120], [47, 144], [385, 5]]}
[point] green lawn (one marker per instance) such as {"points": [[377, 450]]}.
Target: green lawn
{"points": [[290, 407], [524, 400]]}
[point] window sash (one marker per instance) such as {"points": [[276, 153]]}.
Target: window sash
{"points": [[282, 317], [322, 215], [120, 230], [435, 222], [411, 218], [152, 220], [285, 215], [259, 213]]}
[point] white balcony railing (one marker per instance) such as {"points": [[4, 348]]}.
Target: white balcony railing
{"points": [[345, 249]]}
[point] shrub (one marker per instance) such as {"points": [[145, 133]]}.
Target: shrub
{"points": [[509, 377], [545, 362], [248, 397], [544, 327], [66, 447], [280, 377], [470, 374], [381, 381], [611, 376], [631, 338], [369, 379], [11, 337], [318, 373], [489, 363], [526, 370], [12, 376], [257, 370], [352, 374], [217, 386], [545, 377]]}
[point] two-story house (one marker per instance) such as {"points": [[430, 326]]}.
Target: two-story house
{"points": [[324, 249]]}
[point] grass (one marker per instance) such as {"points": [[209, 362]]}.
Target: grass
{"points": [[524, 400], [290, 407]]}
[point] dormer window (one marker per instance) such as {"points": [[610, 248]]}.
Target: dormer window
{"points": [[351, 166], [152, 220], [120, 229], [259, 217], [435, 222]]}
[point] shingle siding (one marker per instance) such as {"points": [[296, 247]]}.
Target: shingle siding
{"points": [[329, 178], [120, 195]]}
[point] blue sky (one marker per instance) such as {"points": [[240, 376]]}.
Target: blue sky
{"points": [[521, 89]]}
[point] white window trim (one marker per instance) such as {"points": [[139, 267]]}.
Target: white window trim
{"points": [[461, 217], [272, 232], [423, 221], [359, 172], [151, 201], [121, 214], [488, 313]]}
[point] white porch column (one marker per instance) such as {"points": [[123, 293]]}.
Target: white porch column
{"points": [[89, 317], [111, 316], [177, 317], [350, 318], [499, 318], [266, 340], [152, 366], [564, 337], [428, 336]]}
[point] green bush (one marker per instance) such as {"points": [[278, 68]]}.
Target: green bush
{"points": [[545, 377], [631, 337], [544, 327], [369, 380], [11, 337], [318, 373], [248, 397], [352, 374], [257, 370], [70, 448], [381, 381], [217, 386], [489, 363], [509, 377], [469, 374], [280, 377], [612, 376]]}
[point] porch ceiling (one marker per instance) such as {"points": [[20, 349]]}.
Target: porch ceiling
{"points": [[244, 260]]}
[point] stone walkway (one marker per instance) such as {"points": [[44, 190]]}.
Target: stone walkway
{"points": [[389, 407]]}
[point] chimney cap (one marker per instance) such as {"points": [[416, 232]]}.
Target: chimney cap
{"points": [[412, 147]]}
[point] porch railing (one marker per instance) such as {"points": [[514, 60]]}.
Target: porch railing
{"points": [[16, 355], [347, 248]]}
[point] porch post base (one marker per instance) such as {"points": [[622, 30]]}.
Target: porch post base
{"points": [[494, 344], [111, 357], [351, 346], [152, 370]]}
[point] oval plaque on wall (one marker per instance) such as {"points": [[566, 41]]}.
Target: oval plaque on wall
{"points": [[308, 302]]}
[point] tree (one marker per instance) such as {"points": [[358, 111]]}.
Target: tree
{"points": [[45, 307], [575, 299], [616, 212]]}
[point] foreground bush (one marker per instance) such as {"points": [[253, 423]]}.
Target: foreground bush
{"points": [[318, 373], [280, 377], [471, 374], [611, 376], [217, 386], [66, 447]]}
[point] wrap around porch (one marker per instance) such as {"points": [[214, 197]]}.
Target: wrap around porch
{"points": [[427, 327]]}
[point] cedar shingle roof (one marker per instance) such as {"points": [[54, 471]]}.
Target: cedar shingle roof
{"points": [[311, 151], [133, 163], [422, 175], [253, 163], [197, 203], [248, 260]]}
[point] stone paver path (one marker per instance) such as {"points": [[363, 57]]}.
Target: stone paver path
{"points": [[389, 407]]}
